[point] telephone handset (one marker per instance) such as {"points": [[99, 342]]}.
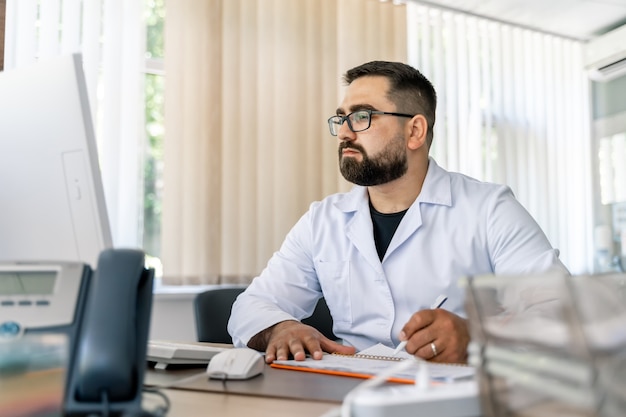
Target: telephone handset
{"points": [[106, 370]]}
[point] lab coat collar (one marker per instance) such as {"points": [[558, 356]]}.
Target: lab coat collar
{"points": [[435, 190], [358, 229]]}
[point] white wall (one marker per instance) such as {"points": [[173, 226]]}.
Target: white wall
{"points": [[172, 312]]}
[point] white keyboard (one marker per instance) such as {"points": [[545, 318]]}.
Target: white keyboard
{"points": [[166, 352]]}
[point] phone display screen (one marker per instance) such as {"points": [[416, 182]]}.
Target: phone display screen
{"points": [[27, 282]]}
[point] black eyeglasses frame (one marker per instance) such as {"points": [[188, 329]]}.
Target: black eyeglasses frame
{"points": [[338, 120]]}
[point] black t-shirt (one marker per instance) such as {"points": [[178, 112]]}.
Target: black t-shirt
{"points": [[385, 226]]}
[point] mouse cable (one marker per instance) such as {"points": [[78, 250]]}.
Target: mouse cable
{"points": [[345, 409], [158, 411], [378, 379], [161, 410]]}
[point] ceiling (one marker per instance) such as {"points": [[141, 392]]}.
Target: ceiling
{"points": [[578, 19]]}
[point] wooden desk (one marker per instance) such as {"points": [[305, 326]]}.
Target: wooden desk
{"points": [[185, 403], [276, 392]]}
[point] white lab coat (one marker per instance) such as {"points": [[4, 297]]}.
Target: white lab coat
{"points": [[457, 227]]}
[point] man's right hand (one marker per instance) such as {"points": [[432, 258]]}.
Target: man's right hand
{"points": [[295, 338]]}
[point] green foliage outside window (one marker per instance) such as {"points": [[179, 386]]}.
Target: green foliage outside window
{"points": [[155, 22], [154, 104]]}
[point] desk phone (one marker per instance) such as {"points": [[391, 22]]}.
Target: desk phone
{"points": [[41, 297], [105, 313]]}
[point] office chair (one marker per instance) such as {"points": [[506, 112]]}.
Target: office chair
{"points": [[322, 320], [212, 311]]}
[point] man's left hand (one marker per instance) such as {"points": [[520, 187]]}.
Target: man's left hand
{"points": [[437, 335]]}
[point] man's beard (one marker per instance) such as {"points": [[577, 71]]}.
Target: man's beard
{"points": [[388, 165]]}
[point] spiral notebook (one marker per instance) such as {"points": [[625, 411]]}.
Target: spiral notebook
{"points": [[372, 361]]}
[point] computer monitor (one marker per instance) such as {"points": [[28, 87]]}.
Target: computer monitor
{"points": [[52, 205]]}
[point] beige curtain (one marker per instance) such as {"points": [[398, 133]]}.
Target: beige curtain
{"points": [[3, 5], [250, 84]]}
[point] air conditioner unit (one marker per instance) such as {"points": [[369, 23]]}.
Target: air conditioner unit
{"points": [[605, 56]]}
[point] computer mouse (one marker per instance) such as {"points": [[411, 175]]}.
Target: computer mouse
{"points": [[236, 363]]}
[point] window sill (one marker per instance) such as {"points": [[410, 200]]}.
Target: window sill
{"points": [[183, 292]]}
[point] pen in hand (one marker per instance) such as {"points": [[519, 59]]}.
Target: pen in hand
{"points": [[438, 303]]}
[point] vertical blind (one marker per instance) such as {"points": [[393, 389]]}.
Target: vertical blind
{"points": [[513, 109], [109, 35]]}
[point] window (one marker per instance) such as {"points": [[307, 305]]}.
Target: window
{"points": [[154, 118], [122, 48]]}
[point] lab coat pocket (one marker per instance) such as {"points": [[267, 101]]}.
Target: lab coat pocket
{"points": [[334, 278]]}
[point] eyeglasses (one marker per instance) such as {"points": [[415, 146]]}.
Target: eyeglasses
{"points": [[358, 121]]}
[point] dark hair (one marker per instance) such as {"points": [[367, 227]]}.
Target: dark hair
{"points": [[409, 90]]}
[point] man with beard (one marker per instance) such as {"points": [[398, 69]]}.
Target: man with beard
{"points": [[403, 236]]}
